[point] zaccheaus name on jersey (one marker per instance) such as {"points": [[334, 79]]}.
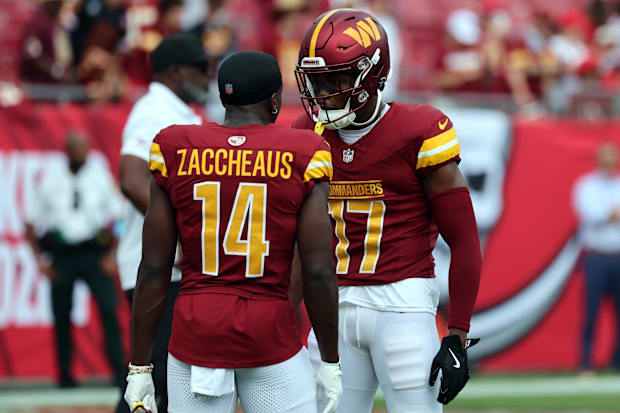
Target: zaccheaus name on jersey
{"points": [[234, 162]]}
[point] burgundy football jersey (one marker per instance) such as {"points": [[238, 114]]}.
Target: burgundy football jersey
{"points": [[383, 231], [237, 193]]}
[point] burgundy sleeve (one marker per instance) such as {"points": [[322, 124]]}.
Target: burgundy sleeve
{"points": [[453, 214]]}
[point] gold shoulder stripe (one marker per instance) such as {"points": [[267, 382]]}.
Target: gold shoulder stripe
{"points": [[156, 160], [321, 156], [319, 166], [450, 152], [438, 140], [156, 150], [317, 30], [438, 149]]}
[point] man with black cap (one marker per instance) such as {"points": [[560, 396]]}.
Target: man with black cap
{"points": [[179, 66], [239, 195]]}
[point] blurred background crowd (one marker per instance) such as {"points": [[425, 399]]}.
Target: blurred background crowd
{"points": [[534, 56]]}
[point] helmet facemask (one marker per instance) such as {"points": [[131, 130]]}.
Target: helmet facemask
{"points": [[314, 78]]}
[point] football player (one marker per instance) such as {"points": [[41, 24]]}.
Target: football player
{"points": [[239, 196], [396, 185]]}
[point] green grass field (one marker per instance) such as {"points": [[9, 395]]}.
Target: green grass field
{"points": [[536, 393], [491, 394], [606, 403]]}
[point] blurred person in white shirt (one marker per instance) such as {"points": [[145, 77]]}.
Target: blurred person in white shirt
{"points": [[67, 226], [180, 77], [597, 203]]}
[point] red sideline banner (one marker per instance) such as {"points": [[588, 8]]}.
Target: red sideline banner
{"points": [[528, 254], [531, 251], [31, 137]]}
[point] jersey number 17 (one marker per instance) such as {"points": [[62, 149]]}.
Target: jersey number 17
{"points": [[372, 240]]}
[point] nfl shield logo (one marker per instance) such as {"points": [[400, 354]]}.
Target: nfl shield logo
{"points": [[347, 155], [228, 88]]}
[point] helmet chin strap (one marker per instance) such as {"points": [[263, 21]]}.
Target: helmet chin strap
{"points": [[342, 116], [374, 115], [348, 120]]}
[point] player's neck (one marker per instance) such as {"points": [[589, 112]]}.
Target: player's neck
{"points": [[245, 118]]}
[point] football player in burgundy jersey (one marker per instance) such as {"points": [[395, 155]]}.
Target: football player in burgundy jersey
{"points": [[239, 196], [396, 185]]}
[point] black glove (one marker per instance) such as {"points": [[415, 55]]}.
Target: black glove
{"points": [[452, 360]]}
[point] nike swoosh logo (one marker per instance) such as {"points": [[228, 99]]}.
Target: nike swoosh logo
{"points": [[442, 125], [457, 363]]}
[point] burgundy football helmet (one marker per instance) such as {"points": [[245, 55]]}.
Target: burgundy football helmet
{"points": [[342, 42]]}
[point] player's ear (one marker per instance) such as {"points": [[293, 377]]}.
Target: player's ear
{"points": [[274, 107], [275, 101]]}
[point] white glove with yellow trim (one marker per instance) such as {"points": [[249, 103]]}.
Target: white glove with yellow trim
{"points": [[140, 392], [329, 380]]}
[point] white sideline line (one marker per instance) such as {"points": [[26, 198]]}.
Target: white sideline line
{"points": [[105, 396], [476, 389], [552, 386], [543, 387]]}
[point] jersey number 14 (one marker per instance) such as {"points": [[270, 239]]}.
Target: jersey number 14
{"points": [[250, 207]]}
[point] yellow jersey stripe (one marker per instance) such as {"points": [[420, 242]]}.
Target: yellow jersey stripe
{"points": [[317, 173], [156, 160], [156, 150], [438, 140], [314, 165], [158, 166], [438, 149], [319, 166], [321, 156], [317, 30], [450, 152]]}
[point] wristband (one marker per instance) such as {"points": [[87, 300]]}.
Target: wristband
{"points": [[139, 369]]}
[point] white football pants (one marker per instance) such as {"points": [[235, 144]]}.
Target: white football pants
{"points": [[390, 349], [286, 387]]}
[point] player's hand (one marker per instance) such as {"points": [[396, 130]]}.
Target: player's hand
{"points": [[329, 380], [108, 265], [46, 268], [452, 360], [140, 393]]}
